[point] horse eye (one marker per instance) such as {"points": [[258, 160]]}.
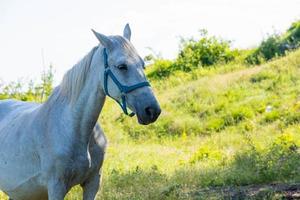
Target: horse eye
{"points": [[122, 67]]}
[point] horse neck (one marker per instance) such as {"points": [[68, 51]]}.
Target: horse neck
{"points": [[80, 99]]}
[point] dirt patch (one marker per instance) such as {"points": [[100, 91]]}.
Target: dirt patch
{"points": [[270, 191]]}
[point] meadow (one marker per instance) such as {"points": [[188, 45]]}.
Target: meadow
{"points": [[219, 129], [228, 131]]}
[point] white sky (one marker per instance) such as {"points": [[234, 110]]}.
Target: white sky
{"points": [[61, 28]]}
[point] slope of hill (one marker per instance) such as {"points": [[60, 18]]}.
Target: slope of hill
{"points": [[222, 127], [228, 126]]}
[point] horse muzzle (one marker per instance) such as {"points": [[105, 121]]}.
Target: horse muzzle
{"points": [[148, 114]]}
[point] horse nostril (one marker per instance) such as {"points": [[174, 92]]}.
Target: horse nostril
{"points": [[150, 112]]}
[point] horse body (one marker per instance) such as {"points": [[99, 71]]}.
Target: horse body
{"points": [[27, 150], [46, 149], [17, 165]]}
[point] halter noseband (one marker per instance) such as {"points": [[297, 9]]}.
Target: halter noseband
{"points": [[123, 88]]}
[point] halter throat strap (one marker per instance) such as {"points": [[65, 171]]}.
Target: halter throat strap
{"points": [[122, 88]]}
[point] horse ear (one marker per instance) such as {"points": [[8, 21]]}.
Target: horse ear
{"points": [[127, 32], [104, 40]]}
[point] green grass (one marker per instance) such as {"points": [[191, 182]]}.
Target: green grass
{"points": [[222, 126]]}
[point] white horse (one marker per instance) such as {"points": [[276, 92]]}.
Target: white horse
{"points": [[46, 149]]}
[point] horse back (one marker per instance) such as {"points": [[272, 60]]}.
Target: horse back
{"points": [[8, 107]]}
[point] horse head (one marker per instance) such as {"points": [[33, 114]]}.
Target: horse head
{"points": [[123, 77]]}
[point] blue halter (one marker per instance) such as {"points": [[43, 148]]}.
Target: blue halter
{"points": [[123, 88]]}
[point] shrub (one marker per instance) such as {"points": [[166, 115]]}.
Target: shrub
{"points": [[272, 116], [215, 124], [279, 161], [207, 51], [205, 153], [38, 92], [292, 37], [238, 114], [292, 117], [262, 76], [254, 58], [271, 47], [160, 69], [276, 45]]}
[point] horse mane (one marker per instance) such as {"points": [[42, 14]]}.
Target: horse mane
{"points": [[74, 79]]}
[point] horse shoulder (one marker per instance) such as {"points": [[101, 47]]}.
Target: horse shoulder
{"points": [[99, 137], [97, 147]]}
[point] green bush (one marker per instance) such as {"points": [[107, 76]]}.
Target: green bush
{"points": [[292, 118], [159, 69], [292, 36], [271, 47], [256, 78], [37, 92], [205, 153], [215, 124], [279, 161], [276, 45], [272, 116], [207, 51], [254, 58], [237, 115]]}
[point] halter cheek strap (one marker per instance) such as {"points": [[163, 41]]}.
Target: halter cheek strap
{"points": [[123, 88]]}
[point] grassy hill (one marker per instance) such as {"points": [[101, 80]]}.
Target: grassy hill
{"points": [[222, 129]]}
